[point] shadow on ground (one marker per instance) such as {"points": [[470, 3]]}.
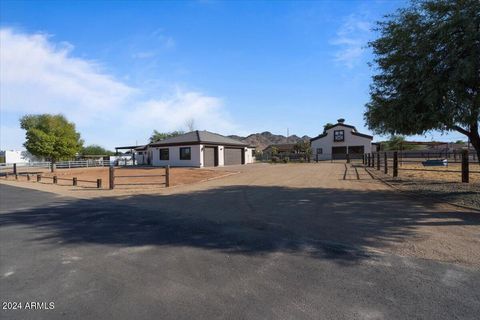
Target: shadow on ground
{"points": [[335, 224]]}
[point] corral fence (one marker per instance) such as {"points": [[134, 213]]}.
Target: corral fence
{"points": [[55, 180], [32, 171], [396, 161], [122, 179], [18, 168]]}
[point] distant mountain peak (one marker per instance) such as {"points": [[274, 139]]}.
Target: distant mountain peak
{"points": [[266, 138]]}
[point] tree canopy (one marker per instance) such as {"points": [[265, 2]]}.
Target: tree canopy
{"points": [[427, 60], [95, 150], [304, 148], [397, 143], [51, 136], [157, 136], [327, 126]]}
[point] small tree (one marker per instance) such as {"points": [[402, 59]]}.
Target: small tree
{"points": [[190, 124], [327, 126], [427, 58], [397, 143], [157, 136], [51, 136], [304, 148], [95, 150]]}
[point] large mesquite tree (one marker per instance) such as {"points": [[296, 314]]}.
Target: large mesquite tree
{"points": [[427, 59], [51, 136]]}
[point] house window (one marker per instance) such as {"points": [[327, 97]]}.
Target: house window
{"points": [[186, 153], [164, 154], [319, 150], [338, 135]]}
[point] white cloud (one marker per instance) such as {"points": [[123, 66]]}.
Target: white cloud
{"points": [[171, 112], [39, 76], [352, 38]]}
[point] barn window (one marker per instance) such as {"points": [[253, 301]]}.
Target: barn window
{"points": [[338, 135], [164, 154], [319, 150], [186, 153]]}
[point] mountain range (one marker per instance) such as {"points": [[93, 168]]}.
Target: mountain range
{"points": [[264, 139]]}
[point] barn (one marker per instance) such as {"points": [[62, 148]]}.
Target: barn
{"points": [[339, 140], [196, 149]]}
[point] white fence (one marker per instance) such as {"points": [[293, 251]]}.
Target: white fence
{"points": [[8, 167]]}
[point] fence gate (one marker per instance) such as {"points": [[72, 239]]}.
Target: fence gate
{"points": [[122, 179]]}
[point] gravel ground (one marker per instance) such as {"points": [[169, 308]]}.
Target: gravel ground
{"points": [[464, 194]]}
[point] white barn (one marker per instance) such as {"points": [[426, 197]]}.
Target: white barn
{"points": [[339, 140], [195, 149]]}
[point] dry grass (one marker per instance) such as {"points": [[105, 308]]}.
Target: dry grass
{"points": [[154, 177], [438, 173]]}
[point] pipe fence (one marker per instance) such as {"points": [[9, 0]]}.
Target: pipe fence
{"points": [[394, 162]]}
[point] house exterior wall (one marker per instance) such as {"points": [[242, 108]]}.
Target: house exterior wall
{"points": [[221, 156], [249, 158], [326, 143], [196, 159], [174, 156]]}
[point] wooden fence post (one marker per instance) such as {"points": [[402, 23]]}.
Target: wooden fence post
{"points": [[378, 160], [395, 164], [15, 168], [28, 177], [74, 182], [363, 159], [385, 160], [348, 158], [16, 176], [368, 160], [39, 178], [373, 160], [167, 176], [465, 171], [99, 183], [55, 179], [111, 177]]}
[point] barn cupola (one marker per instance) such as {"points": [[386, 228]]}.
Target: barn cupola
{"points": [[341, 121]]}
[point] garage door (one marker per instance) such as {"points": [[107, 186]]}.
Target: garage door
{"points": [[233, 156], [209, 157]]}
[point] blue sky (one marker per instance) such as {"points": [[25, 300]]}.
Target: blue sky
{"points": [[120, 69]]}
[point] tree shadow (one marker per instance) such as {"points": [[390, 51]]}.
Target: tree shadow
{"points": [[335, 224]]}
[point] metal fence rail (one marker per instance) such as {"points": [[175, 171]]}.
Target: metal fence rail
{"points": [[10, 167], [391, 161]]}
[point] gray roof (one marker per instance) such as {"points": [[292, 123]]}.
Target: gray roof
{"points": [[197, 137]]}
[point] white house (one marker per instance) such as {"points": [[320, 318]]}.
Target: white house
{"points": [[195, 149], [340, 139]]}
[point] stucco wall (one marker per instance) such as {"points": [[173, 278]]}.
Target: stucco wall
{"points": [[326, 143], [196, 160], [174, 157], [249, 158]]}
